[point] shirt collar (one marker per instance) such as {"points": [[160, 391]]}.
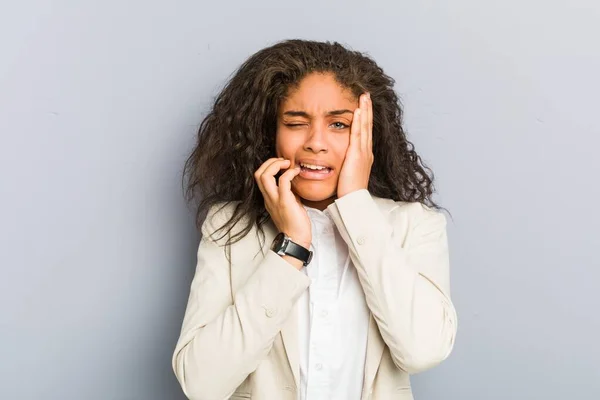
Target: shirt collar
{"points": [[317, 212]]}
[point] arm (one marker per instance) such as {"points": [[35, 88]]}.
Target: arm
{"points": [[223, 339], [405, 280]]}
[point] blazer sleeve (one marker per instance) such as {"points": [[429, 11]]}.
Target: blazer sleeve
{"points": [[403, 265], [224, 337]]}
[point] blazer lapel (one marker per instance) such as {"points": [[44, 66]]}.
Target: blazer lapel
{"points": [[289, 334], [375, 348]]}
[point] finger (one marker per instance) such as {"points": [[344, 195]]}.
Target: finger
{"points": [[268, 178], [261, 170], [285, 182], [364, 121], [264, 166], [370, 131], [258, 173], [273, 168], [355, 129]]}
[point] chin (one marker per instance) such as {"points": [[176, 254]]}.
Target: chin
{"points": [[313, 192]]}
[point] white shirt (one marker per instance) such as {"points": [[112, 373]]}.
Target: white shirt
{"points": [[333, 318]]}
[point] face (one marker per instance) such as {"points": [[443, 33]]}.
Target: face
{"points": [[313, 131]]}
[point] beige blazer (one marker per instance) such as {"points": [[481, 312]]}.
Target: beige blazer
{"points": [[239, 337]]}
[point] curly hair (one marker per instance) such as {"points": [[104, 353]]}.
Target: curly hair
{"points": [[238, 134]]}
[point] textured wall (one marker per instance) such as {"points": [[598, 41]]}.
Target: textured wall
{"points": [[99, 103]]}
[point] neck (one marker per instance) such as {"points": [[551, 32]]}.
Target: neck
{"points": [[320, 204]]}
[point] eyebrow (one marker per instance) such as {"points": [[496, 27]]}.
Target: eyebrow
{"points": [[293, 113]]}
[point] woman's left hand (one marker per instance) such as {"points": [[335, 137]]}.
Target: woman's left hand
{"points": [[356, 169]]}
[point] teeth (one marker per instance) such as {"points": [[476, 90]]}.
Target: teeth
{"points": [[315, 167]]}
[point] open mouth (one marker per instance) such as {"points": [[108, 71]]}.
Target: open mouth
{"points": [[314, 172], [315, 168]]}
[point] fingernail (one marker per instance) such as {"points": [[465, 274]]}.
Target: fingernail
{"points": [[369, 96]]}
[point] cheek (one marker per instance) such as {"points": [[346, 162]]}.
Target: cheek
{"points": [[340, 147], [279, 145], [281, 150], [287, 145]]}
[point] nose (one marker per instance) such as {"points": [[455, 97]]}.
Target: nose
{"points": [[316, 141]]}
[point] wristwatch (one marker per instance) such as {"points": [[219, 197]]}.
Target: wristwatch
{"points": [[284, 246]]}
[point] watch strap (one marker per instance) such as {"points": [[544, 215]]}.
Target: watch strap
{"points": [[284, 246], [299, 252]]}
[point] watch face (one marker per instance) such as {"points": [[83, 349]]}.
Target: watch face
{"points": [[278, 242]]}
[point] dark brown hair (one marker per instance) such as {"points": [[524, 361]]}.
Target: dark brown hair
{"points": [[238, 134]]}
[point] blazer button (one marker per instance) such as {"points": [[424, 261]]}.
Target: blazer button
{"points": [[270, 312], [361, 240]]}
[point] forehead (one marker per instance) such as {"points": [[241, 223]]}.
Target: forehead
{"points": [[318, 93]]}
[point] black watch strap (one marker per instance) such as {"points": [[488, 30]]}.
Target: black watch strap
{"points": [[284, 246]]}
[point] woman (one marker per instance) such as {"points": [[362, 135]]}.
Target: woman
{"points": [[323, 266]]}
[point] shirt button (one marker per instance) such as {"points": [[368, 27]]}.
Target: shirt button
{"points": [[270, 312], [318, 366], [361, 240], [324, 313]]}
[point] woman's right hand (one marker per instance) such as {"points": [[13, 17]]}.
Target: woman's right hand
{"points": [[282, 204]]}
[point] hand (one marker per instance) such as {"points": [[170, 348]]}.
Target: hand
{"points": [[356, 169], [282, 204]]}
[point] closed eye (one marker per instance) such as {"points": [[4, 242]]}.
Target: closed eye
{"points": [[294, 125]]}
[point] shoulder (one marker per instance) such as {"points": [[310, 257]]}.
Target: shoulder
{"points": [[217, 217], [220, 213], [411, 213]]}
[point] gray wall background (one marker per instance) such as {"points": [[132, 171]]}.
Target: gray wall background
{"points": [[99, 104]]}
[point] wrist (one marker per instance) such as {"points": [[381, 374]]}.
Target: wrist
{"points": [[289, 248], [294, 262], [301, 240], [345, 192]]}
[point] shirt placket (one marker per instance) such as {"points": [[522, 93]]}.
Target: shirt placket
{"points": [[323, 297]]}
